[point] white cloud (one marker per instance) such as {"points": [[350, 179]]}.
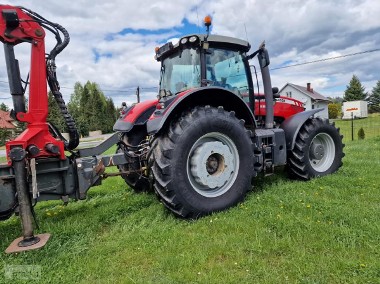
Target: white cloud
{"points": [[295, 31]]}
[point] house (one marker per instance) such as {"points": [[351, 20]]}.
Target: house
{"points": [[310, 98], [6, 122]]}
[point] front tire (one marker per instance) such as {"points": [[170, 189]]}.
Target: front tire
{"points": [[203, 163], [318, 150]]}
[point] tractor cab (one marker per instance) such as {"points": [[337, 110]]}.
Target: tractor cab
{"points": [[202, 61], [217, 61]]}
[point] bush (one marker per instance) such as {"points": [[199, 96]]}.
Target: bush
{"points": [[334, 110], [4, 136], [361, 134]]}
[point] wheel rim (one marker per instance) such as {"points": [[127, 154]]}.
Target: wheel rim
{"points": [[213, 164], [322, 152]]}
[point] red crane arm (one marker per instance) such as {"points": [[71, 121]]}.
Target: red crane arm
{"points": [[17, 27]]}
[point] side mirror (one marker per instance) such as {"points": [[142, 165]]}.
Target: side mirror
{"points": [[264, 58], [276, 95]]}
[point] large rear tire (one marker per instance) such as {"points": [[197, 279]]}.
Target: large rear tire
{"points": [[318, 150], [203, 163]]}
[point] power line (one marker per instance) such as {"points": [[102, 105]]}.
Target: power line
{"points": [[326, 59], [132, 89], [126, 90], [148, 88], [120, 91]]}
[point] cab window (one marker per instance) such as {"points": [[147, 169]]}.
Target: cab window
{"points": [[225, 68]]}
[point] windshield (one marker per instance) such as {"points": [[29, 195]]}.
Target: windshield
{"points": [[225, 68], [180, 72]]}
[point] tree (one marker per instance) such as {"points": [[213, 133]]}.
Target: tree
{"points": [[374, 99], [91, 110], [85, 107], [5, 134], [74, 104], [4, 107], [55, 117], [336, 100], [334, 110], [355, 90], [112, 115], [361, 134], [74, 108], [98, 106]]}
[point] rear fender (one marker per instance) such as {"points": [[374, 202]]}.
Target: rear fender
{"points": [[137, 114], [292, 126], [213, 96]]}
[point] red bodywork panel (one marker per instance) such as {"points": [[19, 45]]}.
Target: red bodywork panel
{"points": [[178, 96], [37, 132], [139, 109], [284, 107]]}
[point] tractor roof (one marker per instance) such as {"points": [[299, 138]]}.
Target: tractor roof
{"points": [[218, 41], [224, 40]]}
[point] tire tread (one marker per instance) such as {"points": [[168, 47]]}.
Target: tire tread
{"points": [[297, 159]]}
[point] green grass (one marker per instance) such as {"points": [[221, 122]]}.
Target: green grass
{"points": [[370, 125], [322, 231]]}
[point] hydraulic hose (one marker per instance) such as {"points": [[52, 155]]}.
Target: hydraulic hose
{"points": [[70, 123], [61, 44]]}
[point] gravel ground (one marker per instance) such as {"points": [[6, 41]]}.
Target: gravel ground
{"points": [[84, 142]]}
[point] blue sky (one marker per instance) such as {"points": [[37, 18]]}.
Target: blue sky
{"points": [[184, 28]]}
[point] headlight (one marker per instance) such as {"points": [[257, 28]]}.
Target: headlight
{"points": [[193, 39], [184, 40]]}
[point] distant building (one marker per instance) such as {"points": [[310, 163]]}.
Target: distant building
{"points": [[355, 109], [310, 98], [7, 122]]}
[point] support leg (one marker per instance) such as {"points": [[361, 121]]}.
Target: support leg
{"points": [[28, 241]]}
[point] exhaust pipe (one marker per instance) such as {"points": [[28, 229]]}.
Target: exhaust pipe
{"points": [[264, 62]]}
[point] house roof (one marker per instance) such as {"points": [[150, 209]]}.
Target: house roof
{"points": [[313, 95], [6, 120]]}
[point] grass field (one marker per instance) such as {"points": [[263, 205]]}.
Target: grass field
{"points": [[370, 125], [323, 231]]}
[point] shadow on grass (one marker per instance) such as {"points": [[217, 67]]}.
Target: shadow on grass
{"points": [[261, 182]]}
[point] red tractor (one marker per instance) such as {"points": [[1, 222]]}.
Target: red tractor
{"points": [[198, 145]]}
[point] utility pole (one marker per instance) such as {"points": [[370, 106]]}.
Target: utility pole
{"points": [[352, 126]]}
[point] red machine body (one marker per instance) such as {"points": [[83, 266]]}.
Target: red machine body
{"points": [[283, 107], [37, 132], [137, 110]]}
